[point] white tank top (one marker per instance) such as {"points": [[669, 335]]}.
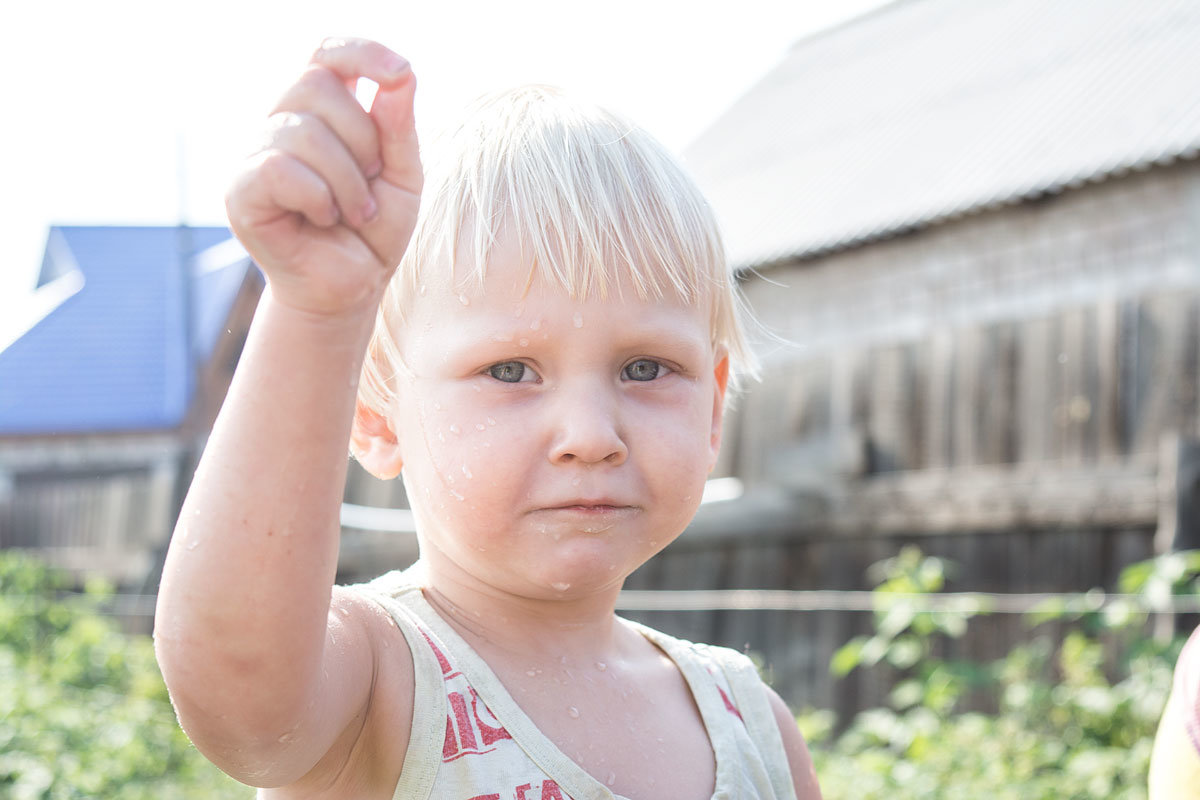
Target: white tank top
{"points": [[471, 741]]}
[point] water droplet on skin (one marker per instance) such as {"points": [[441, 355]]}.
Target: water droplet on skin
{"points": [[612, 778], [421, 290], [576, 481], [573, 712], [455, 429], [477, 387], [193, 544], [531, 673], [467, 472], [441, 436], [437, 406], [462, 298], [524, 343], [479, 426], [287, 737], [537, 323], [456, 495], [600, 665], [449, 478], [502, 337], [561, 587], [577, 319], [519, 310], [491, 421]]}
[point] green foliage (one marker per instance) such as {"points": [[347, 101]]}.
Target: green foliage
{"points": [[1075, 714], [84, 712]]}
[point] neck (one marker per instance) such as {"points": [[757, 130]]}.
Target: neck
{"points": [[579, 628]]}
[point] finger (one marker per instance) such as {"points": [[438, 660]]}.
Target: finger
{"points": [[309, 139], [351, 59], [276, 185], [398, 187], [321, 93]]}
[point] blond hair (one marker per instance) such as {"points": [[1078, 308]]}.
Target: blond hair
{"points": [[594, 203]]}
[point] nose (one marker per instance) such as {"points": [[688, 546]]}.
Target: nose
{"points": [[587, 426]]}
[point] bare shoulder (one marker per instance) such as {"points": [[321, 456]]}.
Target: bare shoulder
{"points": [[799, 761], [369, 698]]}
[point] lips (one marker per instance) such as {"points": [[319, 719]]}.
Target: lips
{"points": [[588, 505]]}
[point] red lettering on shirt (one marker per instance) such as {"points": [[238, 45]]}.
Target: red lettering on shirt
{"points": [[549, 791], [448, 672], [450, 745], [485, 797], [490, 734], [729, 704], [467, 732]]}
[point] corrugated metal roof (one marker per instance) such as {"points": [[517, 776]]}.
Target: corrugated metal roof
{"points": [[113, 354], [928, 109]]}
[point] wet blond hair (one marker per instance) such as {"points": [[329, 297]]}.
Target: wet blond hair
{"points": [[594, 202]]}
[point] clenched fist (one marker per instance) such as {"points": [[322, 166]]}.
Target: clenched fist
{"points": [[326, 207]]}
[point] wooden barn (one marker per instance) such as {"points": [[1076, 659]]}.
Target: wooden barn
{"points": [[108, 388], [972, 234]]}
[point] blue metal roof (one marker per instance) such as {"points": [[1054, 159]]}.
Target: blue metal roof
{"points": [[114, 354]]}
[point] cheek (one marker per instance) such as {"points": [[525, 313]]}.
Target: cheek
{"points": [[460, 449]]}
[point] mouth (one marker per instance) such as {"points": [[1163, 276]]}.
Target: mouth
{"points": [[599, 507]]}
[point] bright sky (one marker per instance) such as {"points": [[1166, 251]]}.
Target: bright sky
{"points": [[133, 112]]}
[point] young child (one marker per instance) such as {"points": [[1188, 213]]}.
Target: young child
{"points": [[547, 367]]}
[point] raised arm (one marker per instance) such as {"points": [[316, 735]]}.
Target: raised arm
{"points": [[264, 677]]}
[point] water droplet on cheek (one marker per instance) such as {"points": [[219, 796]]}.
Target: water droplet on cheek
{"points": [[560, 587], [600, 665], [421, 290], [437, 406], [456, 495], [573, 712], [462, 298], [441, 436], [577, 319], [524, 343], [455, 429], [479, 426], [491, 421], [467, 472], [193, 544], [576, 481], [612, 778]]}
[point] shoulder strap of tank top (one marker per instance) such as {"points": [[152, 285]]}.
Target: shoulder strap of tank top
{"points": [[750, 697], [424, 754]]}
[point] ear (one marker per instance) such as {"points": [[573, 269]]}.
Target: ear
{"points": [[374, 443], [720, 382]]}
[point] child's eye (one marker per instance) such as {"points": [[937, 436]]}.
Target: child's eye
{"points": [[511, 372], [643, 370]]}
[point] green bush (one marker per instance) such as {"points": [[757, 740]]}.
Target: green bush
{"points": [[84, 712], [1075, 714]]}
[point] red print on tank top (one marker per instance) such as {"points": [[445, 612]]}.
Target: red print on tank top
{"points": [[549, 790], [472, 730]]}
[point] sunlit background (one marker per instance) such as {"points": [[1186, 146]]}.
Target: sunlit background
{"points": [[132, 112]]}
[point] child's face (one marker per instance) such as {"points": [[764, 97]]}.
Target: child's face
{"points": [[552, 446]]}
